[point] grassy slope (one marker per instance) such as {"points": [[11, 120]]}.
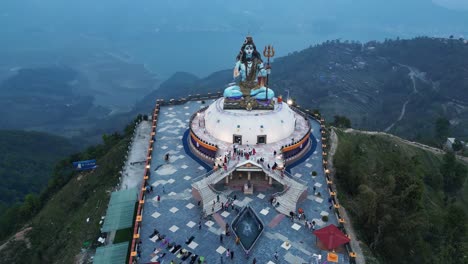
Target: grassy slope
{"points": [[60, 228], [26, 162], [376, 150]]}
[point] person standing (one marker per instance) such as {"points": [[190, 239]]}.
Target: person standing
{"points": [[221, 238], [276, 255], [232, 254]]}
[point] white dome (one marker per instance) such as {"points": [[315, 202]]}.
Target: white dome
{"points": [[223, 124]]}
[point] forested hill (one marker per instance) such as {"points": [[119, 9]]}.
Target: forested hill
{"points": [[26, 162], [407, 205], [401, 86]]}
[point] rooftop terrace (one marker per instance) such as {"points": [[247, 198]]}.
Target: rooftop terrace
{"points": [[178, 216]]}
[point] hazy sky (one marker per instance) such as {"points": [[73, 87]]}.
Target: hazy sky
{"points": [[453, 4], [203, 36]]}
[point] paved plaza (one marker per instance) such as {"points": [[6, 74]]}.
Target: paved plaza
{"points": [[178, 216]]}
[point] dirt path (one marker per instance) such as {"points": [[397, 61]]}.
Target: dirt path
{"points": [[355, 244], [436, 151], [414, 73], [21, 235]]}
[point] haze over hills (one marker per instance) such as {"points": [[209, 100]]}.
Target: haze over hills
{"points": [[199, 37], [392, 85], [81, 69], [119, 52]]}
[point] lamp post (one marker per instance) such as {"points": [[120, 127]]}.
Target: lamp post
{"points": [[288, 100]]}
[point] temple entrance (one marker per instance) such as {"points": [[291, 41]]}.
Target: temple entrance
{"points": [[250, 179], [237, 139], [261, 139]]}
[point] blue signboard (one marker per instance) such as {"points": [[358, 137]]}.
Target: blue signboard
{"points": [[85, 164]]}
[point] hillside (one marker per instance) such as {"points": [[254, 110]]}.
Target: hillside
{"points": [[408, 205], [27, 160], [71, 94], [392, 85], [59, 227]]}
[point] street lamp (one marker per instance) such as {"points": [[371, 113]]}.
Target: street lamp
{"points": [[288, 100]]}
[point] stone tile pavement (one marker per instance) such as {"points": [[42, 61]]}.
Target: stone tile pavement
{"points": [[177, 215]]}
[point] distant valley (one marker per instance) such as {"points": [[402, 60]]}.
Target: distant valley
{"points": [[392, 85], [73, 96]]}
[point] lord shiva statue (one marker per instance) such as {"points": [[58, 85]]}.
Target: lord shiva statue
{"points": [[250, 75]]}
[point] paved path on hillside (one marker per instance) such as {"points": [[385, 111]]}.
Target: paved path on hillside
{"points": [[333, 147], [355, 244]]}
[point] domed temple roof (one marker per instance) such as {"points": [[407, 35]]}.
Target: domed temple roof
{"points": [[272, 125]]}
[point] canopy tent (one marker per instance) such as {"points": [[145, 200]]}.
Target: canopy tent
{"points": [[115, 254], [331, 237], [120, 211]]}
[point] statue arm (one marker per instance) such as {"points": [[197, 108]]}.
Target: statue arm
{"points": [[236, 69], [262, 72]]}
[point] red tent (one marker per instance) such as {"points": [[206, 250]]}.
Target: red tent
{"points": [[331, 237]]}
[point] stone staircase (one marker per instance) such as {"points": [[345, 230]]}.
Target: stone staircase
{"points": [[287, 199], [294, 188], [203, 185]]}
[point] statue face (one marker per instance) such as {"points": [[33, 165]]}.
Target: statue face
{"points": [[248, 50]]}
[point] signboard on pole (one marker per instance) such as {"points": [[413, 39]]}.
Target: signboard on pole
{"points": [[85, 165]]}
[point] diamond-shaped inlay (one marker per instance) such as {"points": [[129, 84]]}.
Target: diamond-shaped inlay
{"points": [[187, 113], [172, 193], [261, 195], [209, 223], [180, 146], [264, 211], [201, 168], [225, 214], [270, 262], [286, 245], [324, 213], [318, 185], [187, 178], [173, 228], [221, 250], [191, 224], [296, 226], [171, 181], [164, 147], [298, 175], [155, 214], [319, 200], [190, 205], [184, 166], [193, 245], [173, 210], [308, 165]]}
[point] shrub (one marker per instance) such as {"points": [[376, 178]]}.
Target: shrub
{"points": [[325, 218]]}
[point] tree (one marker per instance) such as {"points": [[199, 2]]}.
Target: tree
{"points": [[454, 173], [341, 121], [442, 128], [457, 145]]}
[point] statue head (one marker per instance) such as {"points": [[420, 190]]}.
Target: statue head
{"points": [[248, 50]]}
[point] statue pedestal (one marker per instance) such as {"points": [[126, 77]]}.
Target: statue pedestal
{"points": [[248, 103]]}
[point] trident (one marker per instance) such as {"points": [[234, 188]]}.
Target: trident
{"points": [[268, 52]]}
